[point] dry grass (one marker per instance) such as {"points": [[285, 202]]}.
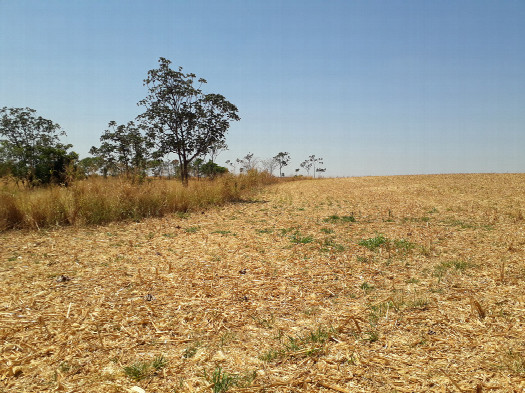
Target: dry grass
{"points": [[99, 201], [239, 304]]}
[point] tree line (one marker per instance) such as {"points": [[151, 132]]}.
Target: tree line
{"points": [[311, 165], [179, 120]]}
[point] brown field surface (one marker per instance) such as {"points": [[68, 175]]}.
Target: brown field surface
{"points": [[376, 284]]}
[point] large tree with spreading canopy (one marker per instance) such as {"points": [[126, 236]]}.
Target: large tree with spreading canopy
{"points": [[182, 119]]}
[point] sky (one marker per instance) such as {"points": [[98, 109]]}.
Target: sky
{"points": [[373, 87]]}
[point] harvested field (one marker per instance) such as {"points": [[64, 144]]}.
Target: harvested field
{"points": [[379, 284]]}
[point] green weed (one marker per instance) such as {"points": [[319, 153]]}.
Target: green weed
{"points": [[141, 370], [308, 345], [222, 232], [445, 266], [191, 350], [137, 371], [459, 223], [515, 361], [372, 336], [404, 245], [374, 243], [297, 238], [331, 245], [336, 219], [221, 380]]}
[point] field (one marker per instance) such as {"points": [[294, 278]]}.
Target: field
{"points": [[376, 284]]}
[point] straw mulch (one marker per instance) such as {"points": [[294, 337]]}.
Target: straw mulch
{"points": [[423, 292]]}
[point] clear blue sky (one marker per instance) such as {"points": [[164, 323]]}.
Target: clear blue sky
{"points": [[373, 87]]}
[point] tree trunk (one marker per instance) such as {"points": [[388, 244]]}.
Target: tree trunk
{"points": [[184, 174]]}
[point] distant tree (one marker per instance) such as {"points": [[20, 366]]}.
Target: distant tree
{"points": [[312, 162], [269, 165], [196, 167], [181, 118], [247, 163], [216, 149], [320, 170], [212, 170], [306, 164], [282, 160], [30, 148], [89, 166], [232, 165], [124, 149]]}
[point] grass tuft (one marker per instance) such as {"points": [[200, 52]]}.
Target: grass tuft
{"points": [[373, 243], [336, 219], [143, 369], [297, 238]]}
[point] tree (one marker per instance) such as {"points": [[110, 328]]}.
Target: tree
{"points": [[306, 164], [312, 161], [247, 163], [282, 160], [216, 149], [31, 150], [196, 167], [321, 170], [124, 149], [181, 118], [269, 165], [89, 166], [211, 169]]}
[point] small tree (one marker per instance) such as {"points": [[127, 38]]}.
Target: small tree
{"points": [[306, 164], [181, 118], [269, 165], [216, 149], [89, 166], [211, 169], [124, 149], [196, 167], [312, 161], [320, 170], [31, 150], [282, 160], [247, 163]]}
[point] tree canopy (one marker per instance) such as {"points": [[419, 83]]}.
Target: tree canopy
{"points": [[282, 159], [124, 149], [181, 119], [30, 149]]}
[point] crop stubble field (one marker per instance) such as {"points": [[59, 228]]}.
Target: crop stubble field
{"points": [[376, 284]]}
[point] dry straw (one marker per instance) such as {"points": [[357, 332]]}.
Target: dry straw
{"points": [[275, 294]]}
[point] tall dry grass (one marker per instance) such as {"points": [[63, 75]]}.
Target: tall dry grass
{"points": [[98, 201]]}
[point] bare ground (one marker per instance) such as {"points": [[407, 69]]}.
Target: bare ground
{"points": [[423, 292]]}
